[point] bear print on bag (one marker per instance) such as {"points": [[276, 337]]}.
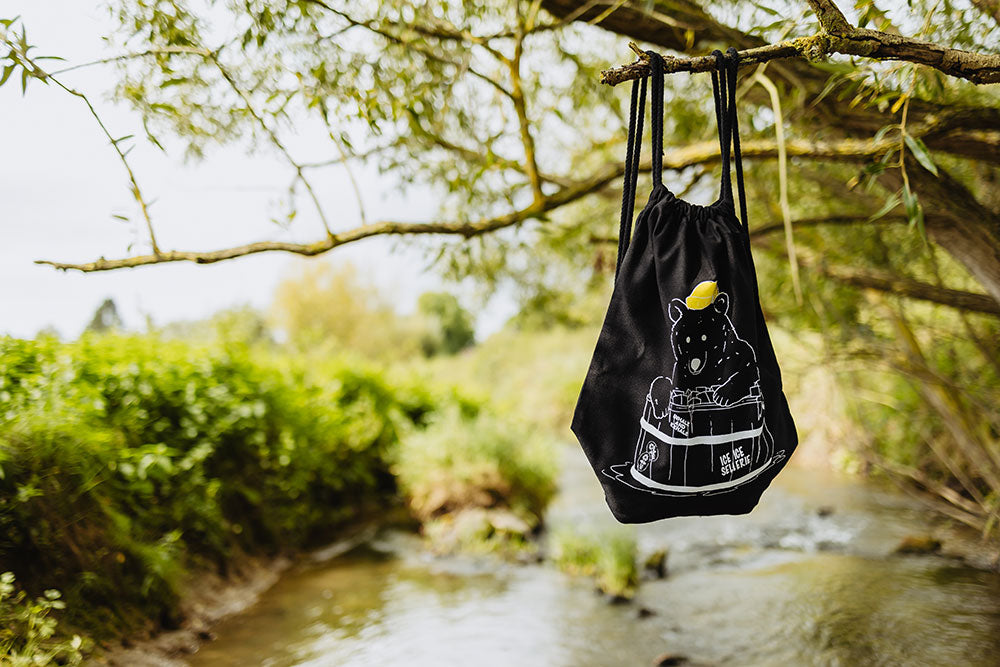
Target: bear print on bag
{"points": [[708, 352], [702, 429]]}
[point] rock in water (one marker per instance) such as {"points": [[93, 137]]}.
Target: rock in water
{"points": [[655, 566], [645, 612], [918, 544]]}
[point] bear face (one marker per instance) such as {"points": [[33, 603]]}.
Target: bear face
{"points": [[698, 337], [709, 353]]}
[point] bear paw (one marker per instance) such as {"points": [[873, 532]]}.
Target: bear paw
{"points": [[727, 394]]}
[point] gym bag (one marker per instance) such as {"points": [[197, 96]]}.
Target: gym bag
{"points": [[682, 411]]}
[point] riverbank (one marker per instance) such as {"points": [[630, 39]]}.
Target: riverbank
{"points": [[209, 599], [134, 470]]}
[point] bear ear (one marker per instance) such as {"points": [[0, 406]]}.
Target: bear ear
{"points": [[674, 310], [721, 303]]}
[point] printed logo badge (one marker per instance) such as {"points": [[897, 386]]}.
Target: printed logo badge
{"points": [[679, 424]]}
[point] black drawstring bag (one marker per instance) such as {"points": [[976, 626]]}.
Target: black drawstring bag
{"points": [[682, 411]]}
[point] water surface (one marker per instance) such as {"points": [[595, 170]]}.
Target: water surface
{"points": [[790, 584]]}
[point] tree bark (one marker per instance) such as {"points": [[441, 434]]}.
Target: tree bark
{"points": [[883, 281]]}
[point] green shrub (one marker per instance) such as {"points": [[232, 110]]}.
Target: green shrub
{"points": [[127, 460], [608, 556], [533, 375], [28, 631], [464, 461]]}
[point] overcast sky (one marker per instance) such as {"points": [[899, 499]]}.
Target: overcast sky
{"points": [[60, 183]]}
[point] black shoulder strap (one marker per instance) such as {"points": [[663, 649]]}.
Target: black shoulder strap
{"points": [[633, 149], [724, 90], [734, 65], [656, 113]]}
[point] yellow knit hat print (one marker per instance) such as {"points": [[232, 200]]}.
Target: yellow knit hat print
{"points": [[702, 295]]}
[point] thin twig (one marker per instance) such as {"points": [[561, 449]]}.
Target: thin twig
{"points": [[786, 214], [122, 155], [344, 159], [213, 57], [159, 51]]}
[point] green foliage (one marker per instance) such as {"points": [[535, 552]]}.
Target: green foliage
{"points": [[475, 460], [391, 75], [127, 460], [919, 378], [609, 556], [28, 629], [15, 54], [449, 327]]}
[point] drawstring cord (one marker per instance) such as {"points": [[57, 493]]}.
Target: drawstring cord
{"points": [[724, 92], [633, 149], [734, 64]]}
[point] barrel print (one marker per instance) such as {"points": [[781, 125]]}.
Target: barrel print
{"points": [[700, 445]]}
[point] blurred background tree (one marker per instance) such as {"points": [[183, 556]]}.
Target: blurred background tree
{"points": [[240, 324], [105, 318], [326, 308], [449, 327]]}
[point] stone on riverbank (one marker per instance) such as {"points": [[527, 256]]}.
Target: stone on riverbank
{"points": [[479, 529]]}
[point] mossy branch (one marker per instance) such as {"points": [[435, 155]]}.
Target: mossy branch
{"points": [[837, 36]]}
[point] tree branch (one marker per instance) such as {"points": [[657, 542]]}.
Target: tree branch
{"points": [[672, 64], [681, 158], [831, 19], [461, 228], [834, 220], [914, 289], [838, 36], [520, 108], [758, 234]]}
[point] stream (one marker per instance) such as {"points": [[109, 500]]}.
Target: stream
{"points": [[807, 579]]}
